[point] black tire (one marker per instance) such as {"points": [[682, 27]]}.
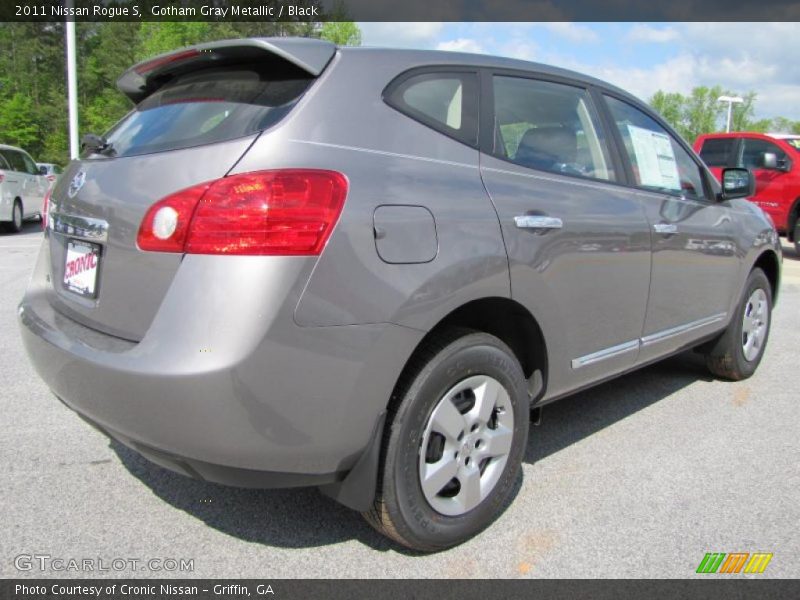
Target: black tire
{"points": [[401, 510], [15, 224], [796, 238], [727, 358]]}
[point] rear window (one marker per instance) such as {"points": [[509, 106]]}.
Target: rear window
{"points": [[718, 152], [208, 106]]}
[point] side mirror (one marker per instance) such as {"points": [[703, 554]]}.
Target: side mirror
{"points": [[42, 170], [737, 183], [769, 160], [785, 165]]}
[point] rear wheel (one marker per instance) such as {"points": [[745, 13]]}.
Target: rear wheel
{"points": [[737, 354], [796, 237], [15, 225], [453, 449]]}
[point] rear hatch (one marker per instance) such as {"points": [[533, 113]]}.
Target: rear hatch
{"points": [[198, 111]]}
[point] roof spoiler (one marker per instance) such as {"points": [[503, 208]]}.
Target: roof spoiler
{"points": [[309, 54]]}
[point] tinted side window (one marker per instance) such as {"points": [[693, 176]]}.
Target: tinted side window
{"points": [[448, 102], [718, 152], [754, 150], [549, 126], [15, 160], [658, 161], [3, 162]]}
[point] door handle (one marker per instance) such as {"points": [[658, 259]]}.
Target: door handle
{"points": [[665, 228], [538, 222]]}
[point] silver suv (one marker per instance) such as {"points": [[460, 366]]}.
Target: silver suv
{"points": [[359, 269]]}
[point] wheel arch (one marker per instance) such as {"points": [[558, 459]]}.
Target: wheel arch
{"points": [[504, 318], [794, 214], [768, 262]]}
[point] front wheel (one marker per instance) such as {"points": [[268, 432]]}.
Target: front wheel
{"points": [[738, 352], [453, 449]]}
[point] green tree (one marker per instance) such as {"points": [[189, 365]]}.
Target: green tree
{"points": [[342, 33], [670, 106], [782, 125], [702, 111], [742, 114], [18, 122], [157, 38]]}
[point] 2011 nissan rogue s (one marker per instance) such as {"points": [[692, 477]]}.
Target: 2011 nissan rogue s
{"points": [[294, 264]]}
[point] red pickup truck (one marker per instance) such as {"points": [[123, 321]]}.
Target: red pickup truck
{"points": [[774, 159]]}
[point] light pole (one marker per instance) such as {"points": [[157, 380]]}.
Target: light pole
{"points": [[72, 87], [731, 100]]}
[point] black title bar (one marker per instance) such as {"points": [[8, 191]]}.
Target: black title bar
{"points": [[282, 589], [399, 10]]}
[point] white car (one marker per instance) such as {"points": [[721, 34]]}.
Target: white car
{"points": [[22, 188]]}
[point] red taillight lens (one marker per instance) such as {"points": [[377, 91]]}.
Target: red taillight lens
{"points": [[45, 210], [286, 212], [51, 178]]}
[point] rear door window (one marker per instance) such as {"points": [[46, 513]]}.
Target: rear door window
{"points": [[208, 106], [549, 126], [718, 152], [447, 102]]}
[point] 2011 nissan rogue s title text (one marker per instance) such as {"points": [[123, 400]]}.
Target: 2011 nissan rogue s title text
{"points": [[360, 269]]}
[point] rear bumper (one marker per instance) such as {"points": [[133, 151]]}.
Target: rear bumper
{"points": [[230, 389], [225, 475]]}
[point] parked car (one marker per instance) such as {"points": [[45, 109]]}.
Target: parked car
{"points": [[361, 269], [775, 162], [22, 188], [51, 171]]}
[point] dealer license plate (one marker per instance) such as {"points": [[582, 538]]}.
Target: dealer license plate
{"points": [[80, 268]]}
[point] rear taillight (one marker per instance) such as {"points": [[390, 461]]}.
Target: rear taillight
{"points": [[45, 210], [2, 176], [286, 212], [51, 178]]}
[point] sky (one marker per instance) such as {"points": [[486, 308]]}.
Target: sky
{"points": [[638, 57]]}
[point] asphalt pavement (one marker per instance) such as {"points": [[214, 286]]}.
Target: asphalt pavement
{"points": [[639, 477]]}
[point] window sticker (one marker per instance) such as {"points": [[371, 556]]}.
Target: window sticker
{"points": [[655, 159]]}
